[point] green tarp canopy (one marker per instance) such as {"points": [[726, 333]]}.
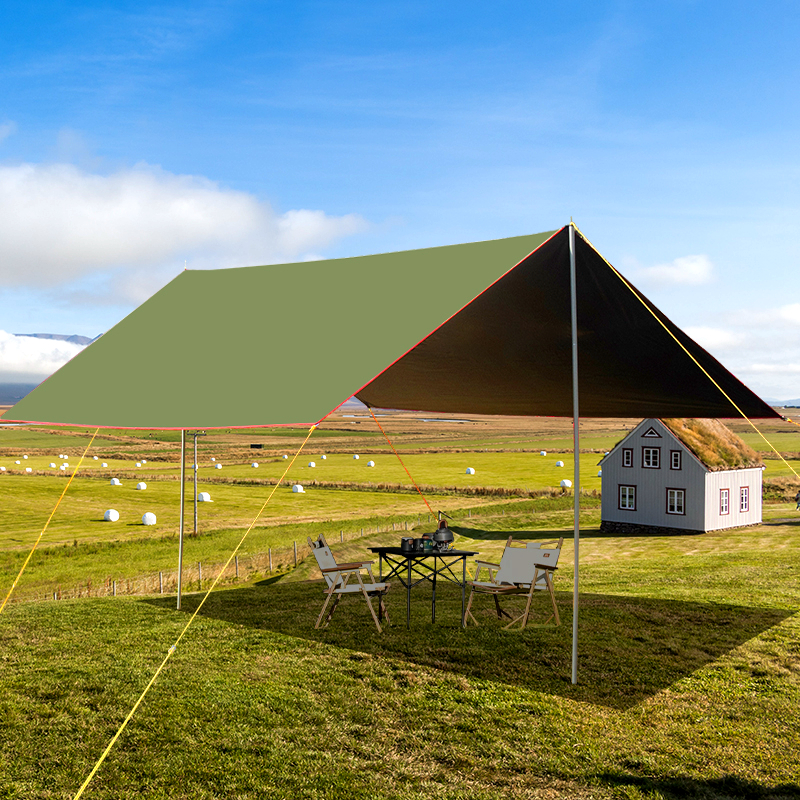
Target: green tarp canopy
{"points": [[479, 328]]}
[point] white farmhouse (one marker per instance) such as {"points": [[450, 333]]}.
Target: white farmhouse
{"points": [[680, 476]]}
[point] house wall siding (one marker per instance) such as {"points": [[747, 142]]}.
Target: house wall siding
{"points": [[733, 480]]}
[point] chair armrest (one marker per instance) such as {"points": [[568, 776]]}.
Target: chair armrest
{"points": [[342, 568], [487, 564], [548, 567]]}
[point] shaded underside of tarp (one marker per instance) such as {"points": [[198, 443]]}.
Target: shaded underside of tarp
{"points": [[473, 328]]}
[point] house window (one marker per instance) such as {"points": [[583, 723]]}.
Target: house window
{"points": [[744, 499], [651, 457], [674, 459], [676, 501], [627, 457], [627, 498], [724, 501]]}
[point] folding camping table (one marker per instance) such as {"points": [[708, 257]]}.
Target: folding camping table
{"points": [[415, 568]]}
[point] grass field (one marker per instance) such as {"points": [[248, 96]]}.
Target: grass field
{"points": [[689, 656]]}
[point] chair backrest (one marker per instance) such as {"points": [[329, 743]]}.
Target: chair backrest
{"points": [[325, 559], [518, 564]]}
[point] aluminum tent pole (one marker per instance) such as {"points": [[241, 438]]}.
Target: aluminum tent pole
{"points": [[183, 499], [194, 466], [576, 488]]}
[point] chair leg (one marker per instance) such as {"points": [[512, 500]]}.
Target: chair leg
{"points": [[330, 613], [549, 583], [500, 612], [369, 604], [467, 613], [324, 606]]}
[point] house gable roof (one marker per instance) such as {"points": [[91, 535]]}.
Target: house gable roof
{"points": [[713, 444]]}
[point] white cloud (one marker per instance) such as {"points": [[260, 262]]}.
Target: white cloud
{"points": [[6, 130], [26, 359], [775, 369], [714, 338], [60, 224], [683, 271], [790, 313]]}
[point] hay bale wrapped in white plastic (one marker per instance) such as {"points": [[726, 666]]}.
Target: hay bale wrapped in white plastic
{"points": [[312, 464], [17, 462], [254, 465], [52, 465], [25, 457], [213, 459], [95, 458], [112, 515], [285, 457], [141, 486], [63, 468], [559, 463], [599, 473], [356, 457], [324, 458], [298, 489], [204, 497], [104, 464], [543, 452], [565, 484], [148, 518], [138, 463], [370, 463], [144, 461], [217, 466], [65, 465], [114, 481], [2, 469], [470, 471], [28, 469]]}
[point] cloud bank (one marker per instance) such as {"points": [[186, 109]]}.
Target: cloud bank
{"points": [[61, 224], [25, 359], [683, 271]]}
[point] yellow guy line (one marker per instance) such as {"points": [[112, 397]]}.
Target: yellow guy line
{"points": [[52, 514], [191, 620], [660, 322]]}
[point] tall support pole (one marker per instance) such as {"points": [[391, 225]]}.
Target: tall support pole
{"points": [[183, 500], [195, 482], [576, 483]]}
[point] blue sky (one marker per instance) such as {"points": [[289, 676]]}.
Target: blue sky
{"points": [[136, 138]]}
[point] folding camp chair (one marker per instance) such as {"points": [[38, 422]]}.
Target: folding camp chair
{"points": [[337, 577], [523, 571]]}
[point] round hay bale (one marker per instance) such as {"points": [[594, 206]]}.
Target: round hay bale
{"points": [[285, 457], [144, 461], [217, 466], [138, 463], [312, 464], [356, 457], [565, 484], [28, 469], [24, 456], [370, 463], [112, 515], [141, 486], [2, 469], [298, 489], [213, 459], [543, 452], [470, 471], [63, 468], [148, 518], [559, 463], [599, 473], [17, 462], [114, 481], [324, 458], [95, 458], [104, 464], [254, 465], [52, 465], [65, 465], [204, 497]]}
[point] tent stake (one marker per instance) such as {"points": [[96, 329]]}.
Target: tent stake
{"points": [[183, 498], [575, 445]]}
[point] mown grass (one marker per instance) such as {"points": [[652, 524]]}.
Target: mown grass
{"points": [[689, 686]]}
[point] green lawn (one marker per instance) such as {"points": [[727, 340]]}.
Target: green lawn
{"points": [[689, 686]]}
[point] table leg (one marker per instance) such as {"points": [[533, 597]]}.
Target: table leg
{"points": [[380, 567], [408, 595], [463, 588], [433, 594]]}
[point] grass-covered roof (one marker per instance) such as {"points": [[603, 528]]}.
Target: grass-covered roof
{"points": [[716, 445]]}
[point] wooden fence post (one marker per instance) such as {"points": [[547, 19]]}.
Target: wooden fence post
{"points": [[161, 583], [362, 531], [341, 536], [295, 553], [200, 573], [270, 559], [115, 588], [236, 562]]}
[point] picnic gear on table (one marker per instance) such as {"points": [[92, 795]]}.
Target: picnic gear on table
{"points": [[337, 577], [522, 570]]}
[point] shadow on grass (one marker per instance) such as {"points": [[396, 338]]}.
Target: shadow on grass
{"points": [[630, 647], [724, 788]]}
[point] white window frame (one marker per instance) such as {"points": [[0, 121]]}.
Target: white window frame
{"points": [[724, 502], [651, 451], [675, 459], [744, 499], [676, 502], [627, 457], [629, 495]]}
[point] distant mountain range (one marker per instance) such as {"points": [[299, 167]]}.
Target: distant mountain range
{"points": [[62, 337]]}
